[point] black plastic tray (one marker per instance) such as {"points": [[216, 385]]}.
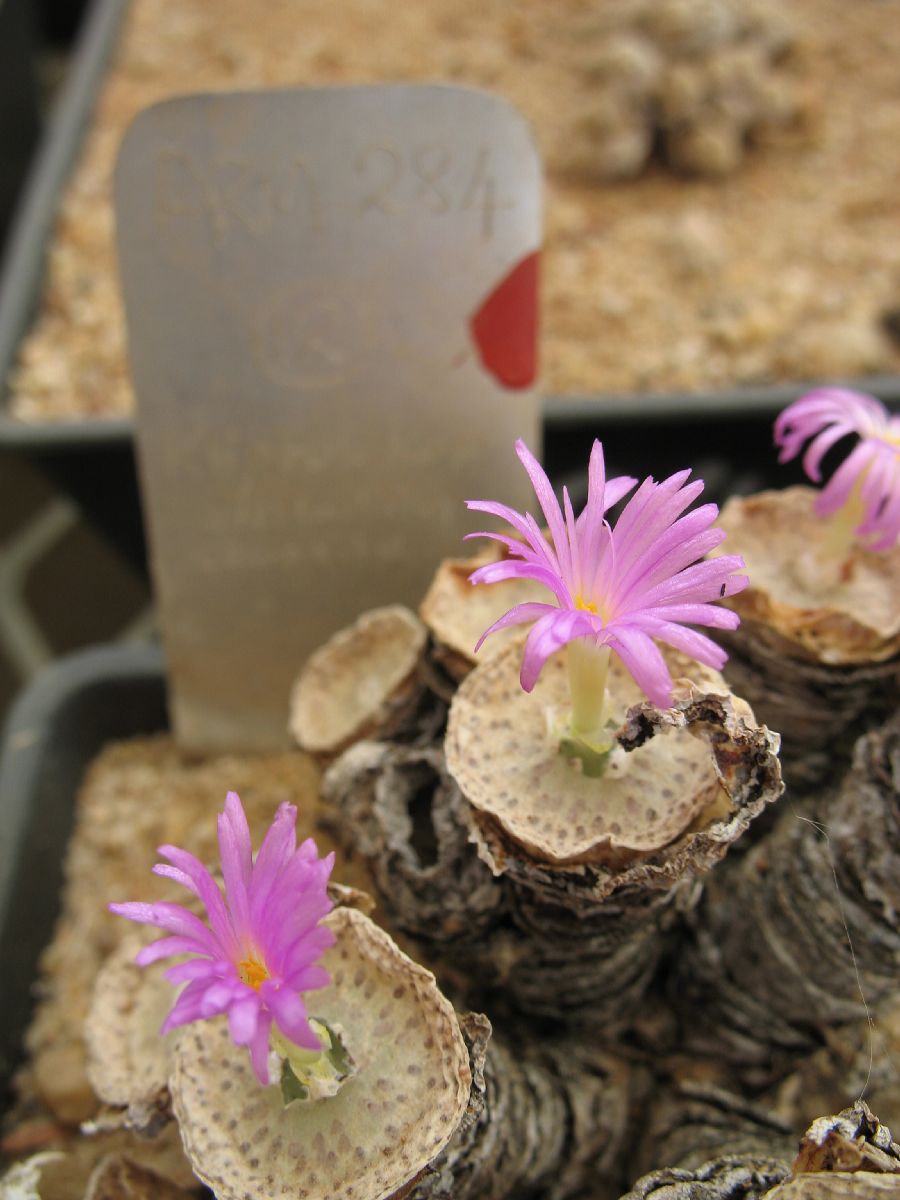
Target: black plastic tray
{"points": [[22, 274], [53, 731]]}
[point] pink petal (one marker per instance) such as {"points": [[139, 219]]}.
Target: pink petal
{"points": [[645, 663], [289, 1013], [592, 519], [167, 947], [196, 968], [237, 857], [308, 979], [288, 931], [501, 571], [172, 917], [819, 447], [712, 615], [516, 616], [201, 883], [574, 557], [688, 641], [837, 491], [305, 950], [279, 845], [549, 507], [513, 546], [294, 909], [259, 1049], [616, 488], [701, 582], [219, 995], [243, 1017], [187, 1007], [682, 544], [523, 523], [550, 634]]}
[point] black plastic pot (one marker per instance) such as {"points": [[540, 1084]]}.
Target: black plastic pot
{"points": [[53, 731]]}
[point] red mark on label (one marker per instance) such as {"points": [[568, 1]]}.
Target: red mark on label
{"points": [[504, 327]]}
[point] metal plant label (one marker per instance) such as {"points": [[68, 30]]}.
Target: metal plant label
{"points": [[331, 299]]}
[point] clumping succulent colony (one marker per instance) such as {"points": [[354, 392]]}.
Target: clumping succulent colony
{"points": [[618, 588], [863, 494], [258, 954]]}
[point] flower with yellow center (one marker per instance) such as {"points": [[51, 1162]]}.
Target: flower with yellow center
{"points": [[863, 494], [257, 956], [618, 589]]}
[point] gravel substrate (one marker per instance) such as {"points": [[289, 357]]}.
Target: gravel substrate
{"points": [[786, 269]]}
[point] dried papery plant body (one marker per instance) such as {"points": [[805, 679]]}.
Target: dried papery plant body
{"points": [[457, 613], [801, 934], [692, 1122], [577, 939], [850, 1155], [550, 1120], [857, 1059], [366, 681], [703, 1143], [536, 956], [128, 1063], [817, 653], [117, 1177]]}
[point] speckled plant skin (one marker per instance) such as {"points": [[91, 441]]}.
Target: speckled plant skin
{"points": [[439, 1107]]}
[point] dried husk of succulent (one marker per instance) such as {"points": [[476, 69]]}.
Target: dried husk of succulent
{"points": [[692, 1122], [856, 1059], [432, 1111], [801, 933], [128, 1063], [118, 1177], [817, 653], [457, 613], [391, 674], [368, 680], [565, 917], [554, 1122], [850, 1155]]}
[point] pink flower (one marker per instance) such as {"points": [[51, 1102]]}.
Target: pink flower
{"points": [[621, 587], [873, 465], [258, 952]]}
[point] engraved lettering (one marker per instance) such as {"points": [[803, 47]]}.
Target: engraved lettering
{"points": [[303, 338], [295, 180], [383, 167], [430, 165], [482, 193], [236, 193]]}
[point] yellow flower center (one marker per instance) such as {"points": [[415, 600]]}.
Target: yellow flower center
{"points": [[587, 605], [252, 973]]}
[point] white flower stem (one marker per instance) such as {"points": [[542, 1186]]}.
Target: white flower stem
{"points": [[840, 535], [588, 667]]}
